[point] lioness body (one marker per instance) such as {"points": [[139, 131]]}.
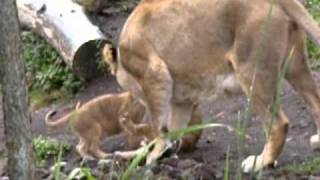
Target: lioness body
{"points": [[175, 53]]}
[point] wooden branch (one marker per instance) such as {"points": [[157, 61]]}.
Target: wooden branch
{"points": [[66, 27]]}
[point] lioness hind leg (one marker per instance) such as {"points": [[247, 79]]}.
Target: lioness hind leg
{"points": [[276, 135], [300, 78], [275, 122], [258, 74]]}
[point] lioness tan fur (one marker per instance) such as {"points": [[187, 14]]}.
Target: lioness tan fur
{"points": [[175, 53], [99, 118], [112, 114]]}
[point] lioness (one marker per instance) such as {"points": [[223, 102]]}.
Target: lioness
{"points": [[174, 53], [108, 115], [99, 118]]}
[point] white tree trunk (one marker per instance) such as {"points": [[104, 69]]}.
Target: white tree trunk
{"points": [[66, 27]]}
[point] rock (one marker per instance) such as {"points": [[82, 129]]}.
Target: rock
{"points": [[149, 173], [42, 173], [187, 163], [3, 165], [52, 177], [76, 173], [219, 175], [111, 176], [62, 164], [289, 139], [88, 162], [303, 124], [314, 178], [4, 178], [105, 164]]}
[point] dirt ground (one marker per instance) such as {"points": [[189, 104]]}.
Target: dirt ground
{"points": [[208, 160]]}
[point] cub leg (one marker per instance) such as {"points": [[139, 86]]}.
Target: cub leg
{"points": [[94, 136], [83, 149]]}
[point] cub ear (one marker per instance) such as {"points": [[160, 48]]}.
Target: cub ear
{"points": [[109, 54]]}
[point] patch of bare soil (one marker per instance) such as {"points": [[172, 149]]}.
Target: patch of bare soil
{"points": [[208, 160], [215, 145]]}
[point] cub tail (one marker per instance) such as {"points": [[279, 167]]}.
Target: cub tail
{"points": [[63, 121]]}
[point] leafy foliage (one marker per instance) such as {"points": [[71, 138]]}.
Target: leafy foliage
{"points": [[314, 51], [45, 148], [46, 71], [78, 173]]}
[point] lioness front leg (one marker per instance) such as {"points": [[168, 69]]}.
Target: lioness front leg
{"points": [[152, 75]]}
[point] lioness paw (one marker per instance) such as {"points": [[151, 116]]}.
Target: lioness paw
{"points": [[251, 164], [255, 164], [315, 142], [160, 147]]}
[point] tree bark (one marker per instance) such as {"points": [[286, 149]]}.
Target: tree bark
{"points": [[66, 27], [14, 95]]}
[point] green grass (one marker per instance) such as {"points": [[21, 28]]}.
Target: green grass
{"points": [[309, 167]]}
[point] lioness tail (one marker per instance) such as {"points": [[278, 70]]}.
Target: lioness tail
{"points": [[301, 16]]}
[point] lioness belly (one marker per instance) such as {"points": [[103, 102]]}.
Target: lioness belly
{"points": [[207, 88]]}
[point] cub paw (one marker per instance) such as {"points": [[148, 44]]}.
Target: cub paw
{"points": [[315, 142]]}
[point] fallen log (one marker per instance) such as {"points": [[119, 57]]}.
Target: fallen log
{"points": [[66, 27]]}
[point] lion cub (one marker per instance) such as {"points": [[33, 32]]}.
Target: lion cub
{"points": [[99, 118]]}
